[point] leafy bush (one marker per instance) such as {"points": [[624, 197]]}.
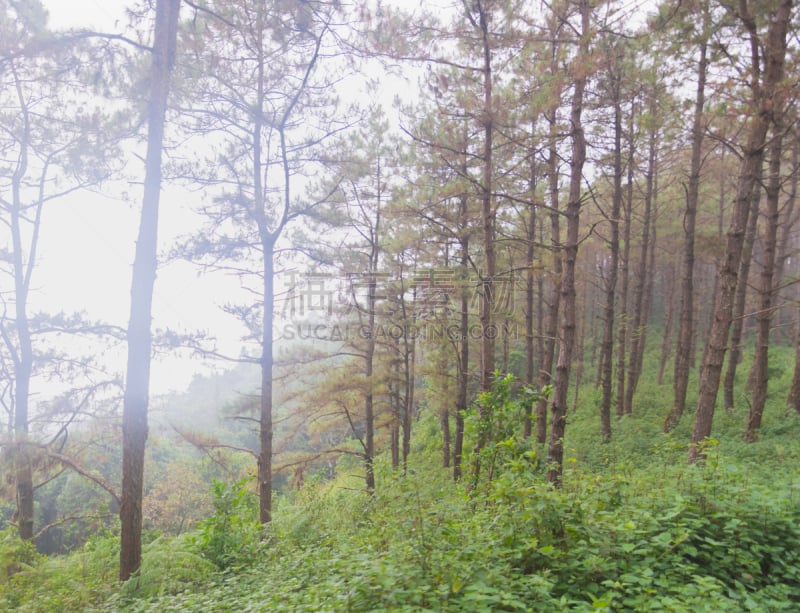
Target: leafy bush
{"points": [[169, 566], [230, 537]]}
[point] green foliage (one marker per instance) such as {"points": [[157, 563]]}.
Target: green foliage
{"points": [[632, 529], [495, 420], [17, 557], [71, 583], [230, 537], [169, 566]]}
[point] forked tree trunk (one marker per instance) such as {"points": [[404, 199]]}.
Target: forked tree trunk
{"points": [[737, 327], [137, 380]]}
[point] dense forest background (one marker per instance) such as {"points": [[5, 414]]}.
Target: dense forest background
{"points": [[512, 293]]}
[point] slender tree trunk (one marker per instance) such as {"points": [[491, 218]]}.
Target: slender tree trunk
{"points": [[594, 333], [488, 331], [607, 349], [462, 358], [789, 221], [555, 455], [369, 356], [488, 215], [444, 413], [409, 362], [737, 326], [394, 425], [265, 435], [649, 287], [793, 400], [642, 277], [666, 344], [767, 289], [506, 345], [530, 284], [787, 226], [766, 101], [369, 409], [23, 370], [580, 348], [686, 320], [22, 355], [622, 331], [137, 381], [547, 359]]}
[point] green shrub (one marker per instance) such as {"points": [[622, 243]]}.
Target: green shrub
{"points": [[231, 536]]}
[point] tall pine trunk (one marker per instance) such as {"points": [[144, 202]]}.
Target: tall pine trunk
{"points": [[137, 380], [530, 285], [555, 454], [767, 289], [683, 347], [548, 356], [462, 356], [737, 327], [23, 356], [607, 347], [622, 331], [640, 293], [793, 400]]}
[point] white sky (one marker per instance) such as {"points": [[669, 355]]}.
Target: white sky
{"points": [[84, 13], [88, 240]]}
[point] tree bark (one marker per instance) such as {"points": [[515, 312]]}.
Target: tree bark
{"points": [[767, 289], [409, 362], [548, 356], [22, 356], [488, 217], [666, 343], [642, 278], [622, 331], [793, 400], [462, 355], [555, 455], [137, 381], [530, 285], [265, 435], [607, 347], [488, 331], [369, 409], [737, 327], [683, 345], [444, 413]]}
